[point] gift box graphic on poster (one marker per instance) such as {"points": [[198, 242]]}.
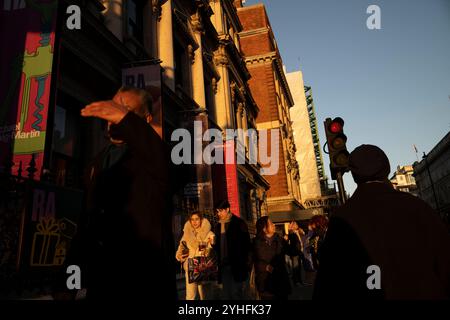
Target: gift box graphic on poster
{"points": [[45, 243], [49, 223]]}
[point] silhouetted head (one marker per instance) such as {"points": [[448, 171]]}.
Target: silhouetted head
{"points": [[136, 100], [369, 163], [265, 227], [222, 209]]}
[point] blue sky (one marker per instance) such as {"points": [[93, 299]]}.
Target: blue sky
{"points": [[391, 86]]}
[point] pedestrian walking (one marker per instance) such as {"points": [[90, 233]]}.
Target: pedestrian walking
{"points": [[232, 247], [197, 240], [318, 226], [269, 250]]}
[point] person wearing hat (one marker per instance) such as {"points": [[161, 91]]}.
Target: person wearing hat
{"points": [[382, 243]]}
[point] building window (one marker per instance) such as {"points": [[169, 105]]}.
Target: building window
{"points": [[181, 67], [65, 168], [245, 199], [134, 19], [75, 141], [210, 101], [64, 132]]}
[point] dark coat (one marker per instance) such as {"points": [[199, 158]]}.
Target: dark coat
{"points": [[271, 253], [238, 245], [393, 230], [124, 245], [295, 246]]}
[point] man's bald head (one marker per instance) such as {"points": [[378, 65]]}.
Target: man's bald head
{"points": [[137, 100]]}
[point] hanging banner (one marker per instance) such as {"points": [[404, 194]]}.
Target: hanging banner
{"points": [[27, 30], [149, 78], [232, 177]]}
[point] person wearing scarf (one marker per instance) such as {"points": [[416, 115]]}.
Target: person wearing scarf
{"points": [[196, 230], [233, 250]]}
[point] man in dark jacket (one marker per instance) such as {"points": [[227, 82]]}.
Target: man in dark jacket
{"points": [[123, 248], [233, 250], [391, 230]]}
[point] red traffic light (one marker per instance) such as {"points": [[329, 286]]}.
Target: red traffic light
{"points": [[337, 149], [337, 125]]}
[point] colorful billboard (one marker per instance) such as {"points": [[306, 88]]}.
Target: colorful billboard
{"points": [[27, 30]]}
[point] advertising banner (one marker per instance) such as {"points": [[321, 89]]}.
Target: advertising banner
{"points": [[149, 78], [48, 225], [27, 30]]}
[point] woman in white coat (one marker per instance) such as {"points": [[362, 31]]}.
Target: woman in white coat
{"points": [[196, 232]]}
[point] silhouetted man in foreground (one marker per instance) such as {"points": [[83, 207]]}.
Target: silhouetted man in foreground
{"points": [[123, 248], [380, 226]]}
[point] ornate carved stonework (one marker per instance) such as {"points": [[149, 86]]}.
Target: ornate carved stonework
{"points": [[233, 92], [156, 7], [295, 174], [214, 84], [220, 59], [240, 109], [197, 23], [282, 131], [191, 53], [241, 93], [291, 147]]}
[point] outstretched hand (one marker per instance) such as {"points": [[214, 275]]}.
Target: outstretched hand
{"points": [[107, 110]]}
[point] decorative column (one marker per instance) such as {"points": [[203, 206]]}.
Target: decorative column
{"points": [[239, 118], [154, 20], [198, 82], [165, 44], [245, 128]]}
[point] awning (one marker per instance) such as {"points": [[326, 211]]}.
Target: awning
{"points": [[306, 214]]}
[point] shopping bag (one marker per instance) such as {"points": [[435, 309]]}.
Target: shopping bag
{"points": [[202, 268]]}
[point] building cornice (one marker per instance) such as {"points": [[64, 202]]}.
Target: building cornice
{"points": [[231, 11], [261, 58], [272, 57], [268, 125], [253, 32], [271, 201], [437, 150], [234, 55]]}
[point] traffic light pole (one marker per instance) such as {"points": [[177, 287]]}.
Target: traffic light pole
{"points": [[342, 194], [337, 150]]}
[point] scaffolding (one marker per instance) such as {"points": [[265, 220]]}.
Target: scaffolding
{"points": [[315, 136]]}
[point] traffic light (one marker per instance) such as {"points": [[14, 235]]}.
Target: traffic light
{"points": [[337, 149]]}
